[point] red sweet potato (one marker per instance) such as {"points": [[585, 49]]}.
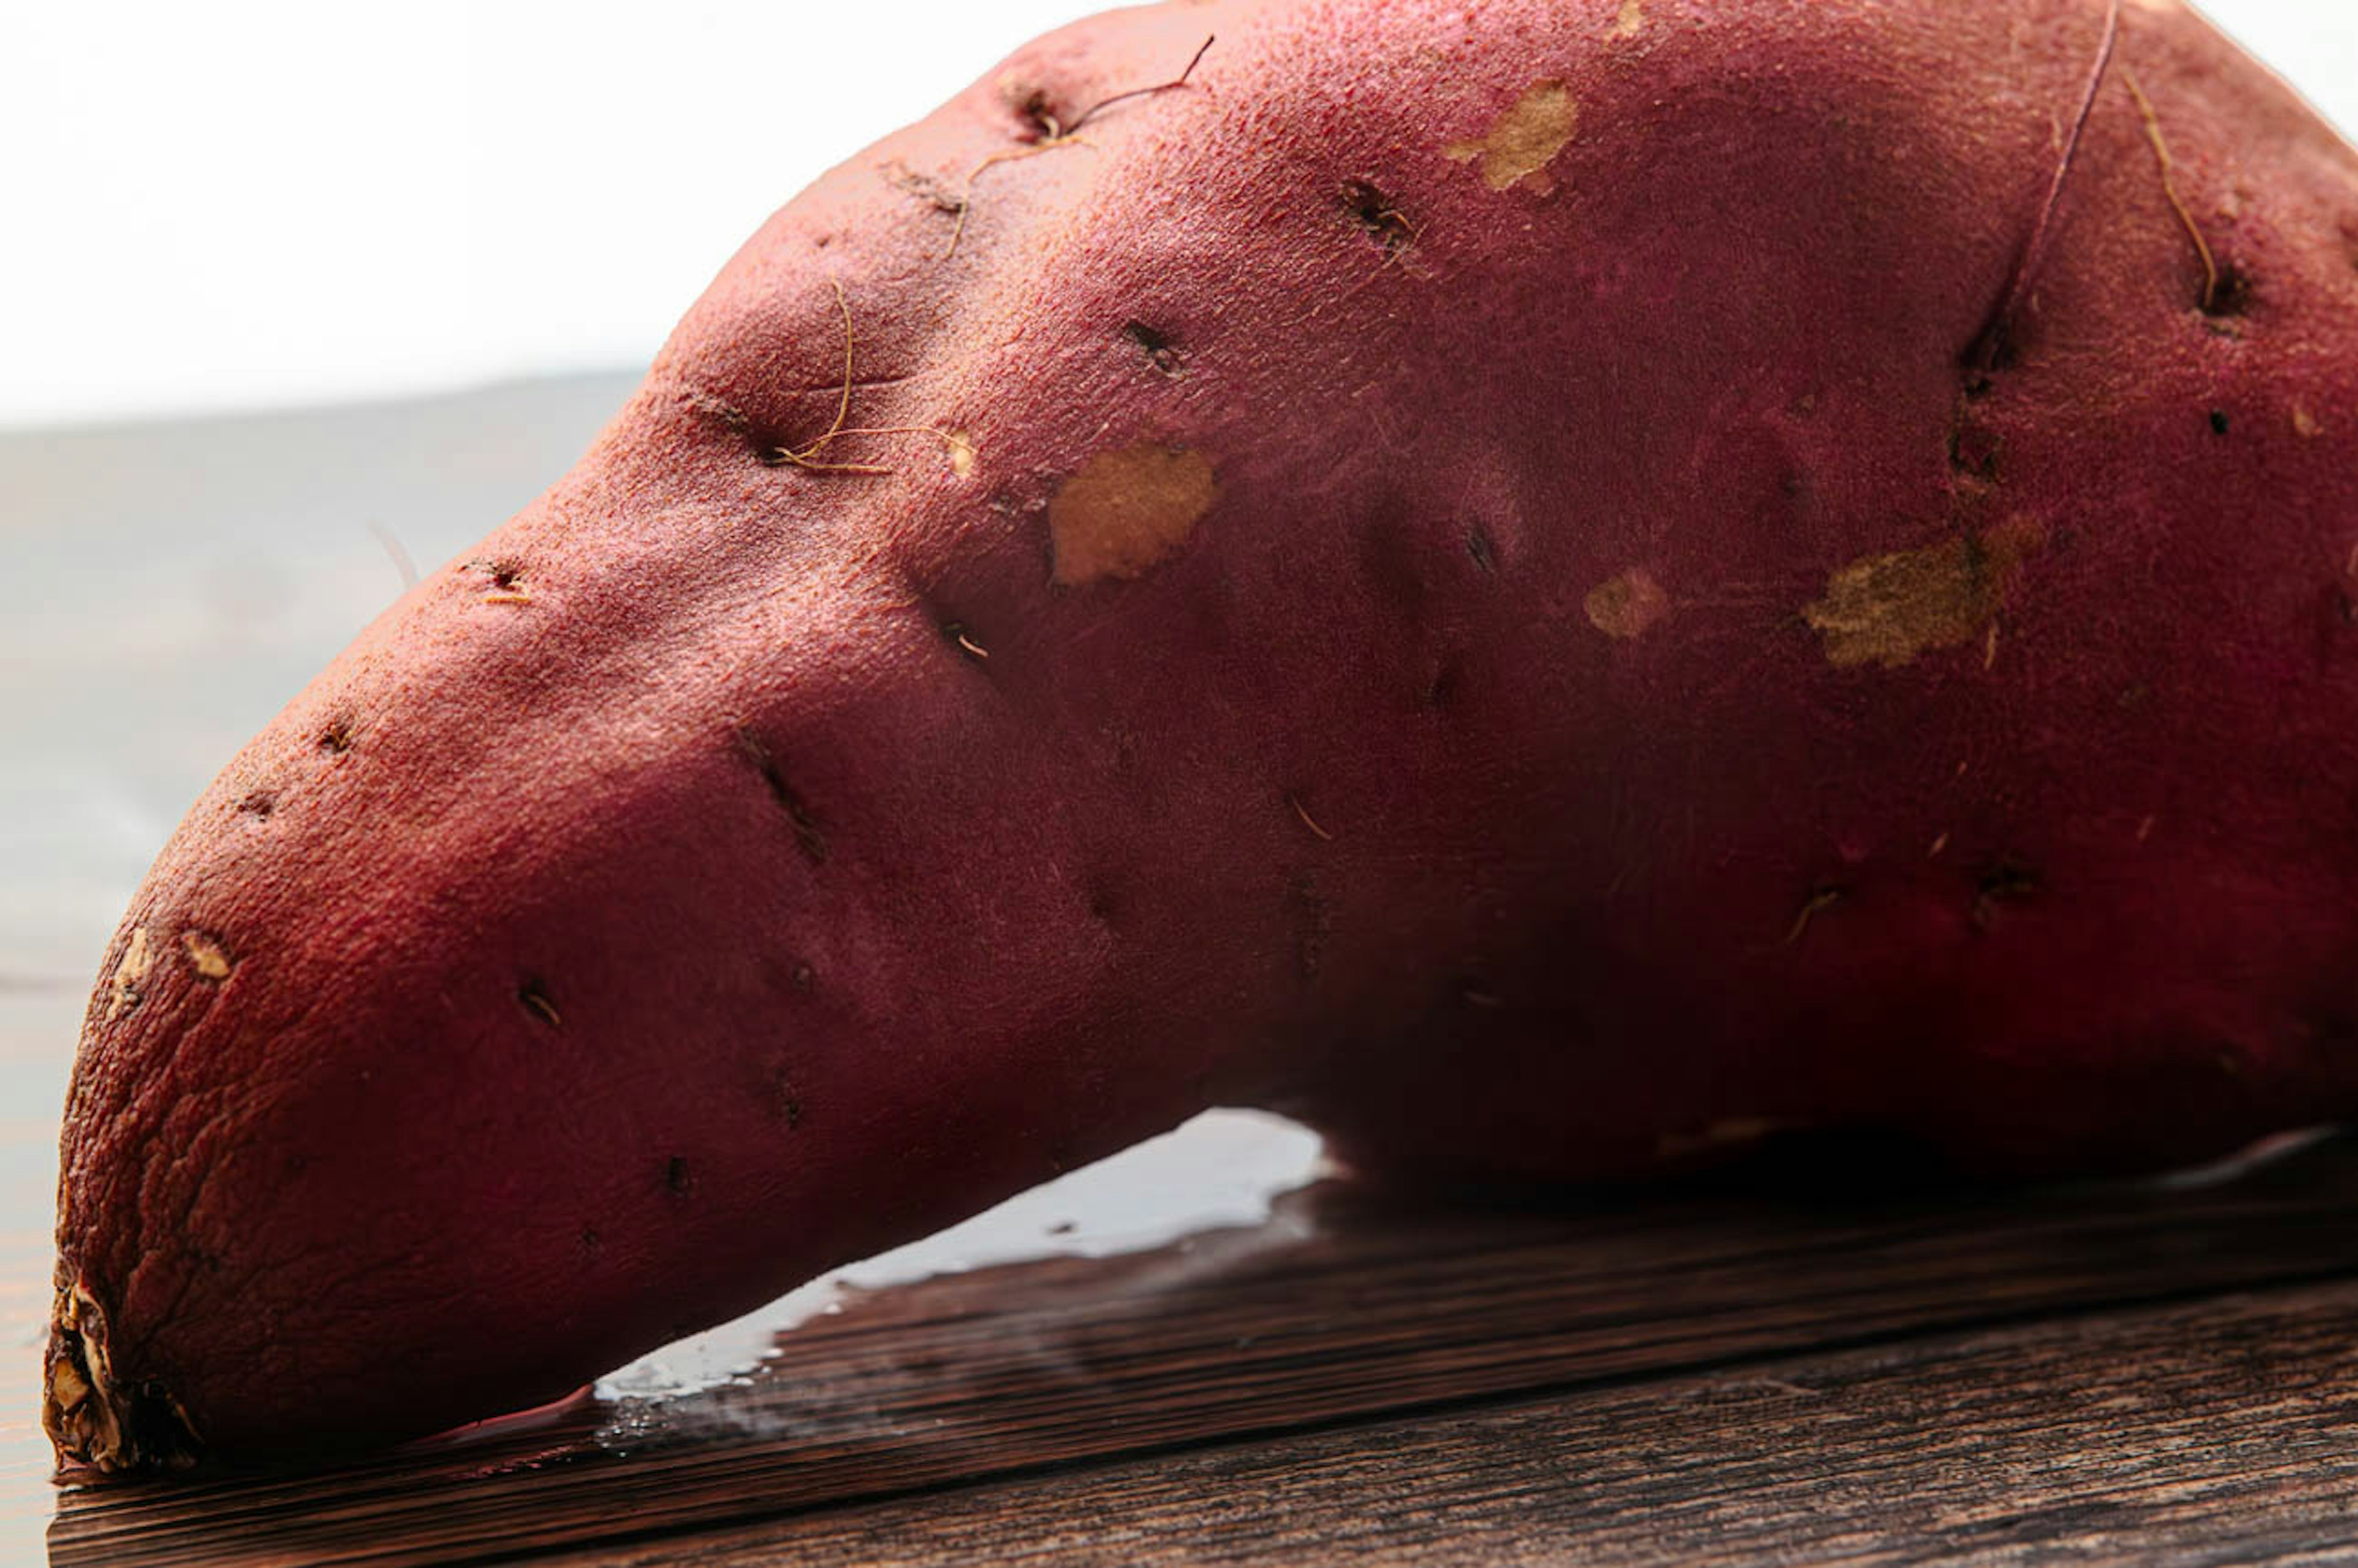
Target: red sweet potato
{"points": [[1547, 587]]}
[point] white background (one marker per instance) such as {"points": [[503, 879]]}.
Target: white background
{"points": [[258, 203]]}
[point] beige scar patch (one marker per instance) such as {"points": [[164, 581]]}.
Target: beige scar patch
{"points": [[1126, 510], [207, 957], [1523, 141], [130, 974], [1629, 605], [1631, 21], [1886, 609]]}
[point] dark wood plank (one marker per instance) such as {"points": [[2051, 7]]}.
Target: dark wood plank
{"points": [[2221, 1431], [1343, 1308]]}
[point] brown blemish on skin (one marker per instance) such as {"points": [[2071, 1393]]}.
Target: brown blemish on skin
{"points": [[536, 998], [1156, 345], [923, 187], [1523, 141], [130, 981], [507, 586], [1126, 510], [2304, 423], [2008, 882], [1631, 20], [207, 955], [808, 833], [1629, 606], [1886, 609], [1374, 212]]}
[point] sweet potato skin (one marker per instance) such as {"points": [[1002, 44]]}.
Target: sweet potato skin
{"points": [[1548, 589]]}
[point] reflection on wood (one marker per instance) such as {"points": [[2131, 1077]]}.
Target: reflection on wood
{"points": [[1344, 1308]]}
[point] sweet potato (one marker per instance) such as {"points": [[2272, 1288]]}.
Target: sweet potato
{"points": [[1549, 588]]}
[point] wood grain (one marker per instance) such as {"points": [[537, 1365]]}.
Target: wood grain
{"points": [[1344, 1308], [2213, 1433]]}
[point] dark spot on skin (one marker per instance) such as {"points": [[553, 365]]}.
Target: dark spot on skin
{"points": [[1038, 115], [1105, 906], [156, 1430], [802, 978], [258, 803], [1441, 689], [1377, 214], [783, 1103], [2217, 421], [1974, 451], [1477, 545], [719, 412], [336, 739], [592, 1242], [806, 830], [1990, 355], [926, 188], [537, 1002], [676, 1179], [2231, 296], [968, 645], [823, 241], [505, 576], [2008, 881], [1156, 346]]}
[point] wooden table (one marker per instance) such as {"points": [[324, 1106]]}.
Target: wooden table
{"points": [[1199, 1352]]}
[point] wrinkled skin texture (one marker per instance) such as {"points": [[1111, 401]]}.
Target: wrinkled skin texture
{"points": [[1515, 588]]}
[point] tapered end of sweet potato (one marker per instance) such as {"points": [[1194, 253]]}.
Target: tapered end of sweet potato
{"points": [[93, 1417]]}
